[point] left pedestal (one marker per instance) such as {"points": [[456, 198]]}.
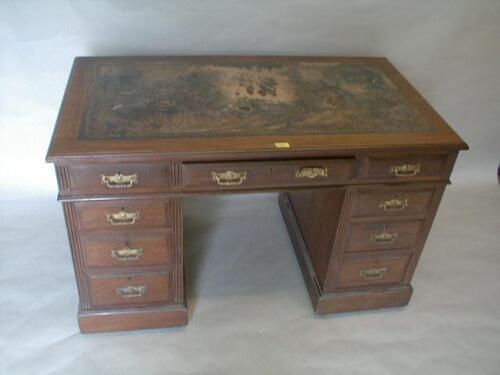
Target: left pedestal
{"points": [[128, 261]]}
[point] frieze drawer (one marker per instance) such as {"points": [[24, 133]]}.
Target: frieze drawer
{"points": [[114, 179], [407, 167], [254, 175]]}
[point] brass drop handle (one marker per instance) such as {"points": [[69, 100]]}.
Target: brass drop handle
{"points": [[373, 273], [405, 170], [120, 180], [384, 238], [132, 291], [127, 254], [123, 217], [394, 205], [229, 178], [311, 172]]}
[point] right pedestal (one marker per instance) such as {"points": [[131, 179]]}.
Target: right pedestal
{"points": [[358, 247]]}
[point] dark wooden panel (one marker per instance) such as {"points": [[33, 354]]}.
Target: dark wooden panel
{"points": [[383, 235], [129, 289], [371, 271], [317, 214], [104, 320], [150, 214], [128, 248]]}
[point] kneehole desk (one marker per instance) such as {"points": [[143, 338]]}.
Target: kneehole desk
{"points": [[360, 159]]}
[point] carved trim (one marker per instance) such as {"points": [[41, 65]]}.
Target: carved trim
{"points": [[77, 255], [63, 178], [340, 239], [424, 233], [176, 174], [177, 247]]}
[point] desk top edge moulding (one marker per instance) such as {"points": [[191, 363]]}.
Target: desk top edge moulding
{"points": [[360, 161], [205, 105]]}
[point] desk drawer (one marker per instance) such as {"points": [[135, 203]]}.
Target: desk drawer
{"points": [[406, 167], [130, 289], [123, 214], [126, 249], [395, 202], [116, 178], [383, 236], [269, 174], [313, 172], [372, 271]]}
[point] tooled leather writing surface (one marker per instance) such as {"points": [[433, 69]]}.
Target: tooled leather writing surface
{"points": [[175, 99]]}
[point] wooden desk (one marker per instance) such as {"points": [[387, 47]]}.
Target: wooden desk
{"points": [[360, 158]]}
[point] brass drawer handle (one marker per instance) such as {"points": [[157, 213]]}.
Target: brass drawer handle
{"points": [[120, 180], [123, 218], [394, 205], [405, 170], [373, 273], [132, 291], [229, 178], [383, 238], [311, 172], [127, 254]]}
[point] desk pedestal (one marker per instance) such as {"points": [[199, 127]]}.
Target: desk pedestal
{"points": [[328, 232]]}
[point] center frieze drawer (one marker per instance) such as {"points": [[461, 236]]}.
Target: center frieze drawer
{"points": [[255, 174]]}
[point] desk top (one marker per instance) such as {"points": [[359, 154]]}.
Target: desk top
{"points": [[195, 106]]}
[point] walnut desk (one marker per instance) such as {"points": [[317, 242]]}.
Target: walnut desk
{"points": [[360, 159]]}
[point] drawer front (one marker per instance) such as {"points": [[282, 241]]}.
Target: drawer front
{"points": [[383, 235], [128, 249], [246, 175], [123, 214], [372, 271], [225, 176], [313, 172], [392, 203], [119, 178], [402, 168], [130, 289]]}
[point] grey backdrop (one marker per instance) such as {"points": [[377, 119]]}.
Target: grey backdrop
{"points": [[244, 319]]}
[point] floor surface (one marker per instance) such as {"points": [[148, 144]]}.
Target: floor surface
{"points": [[249, 309]]}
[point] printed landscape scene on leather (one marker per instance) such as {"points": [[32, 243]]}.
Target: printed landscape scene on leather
{"points": [[151, 99]]}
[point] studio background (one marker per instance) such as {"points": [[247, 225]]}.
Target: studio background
{"points": [[449, 50]]}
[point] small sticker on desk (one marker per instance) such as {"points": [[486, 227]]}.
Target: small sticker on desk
{"points": [[282, 145]]}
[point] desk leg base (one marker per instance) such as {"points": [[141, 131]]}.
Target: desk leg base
{"points": [[336, 302], [132, 318]]}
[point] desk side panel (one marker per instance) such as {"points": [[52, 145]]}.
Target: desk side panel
{"points": [[318, 215]]}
